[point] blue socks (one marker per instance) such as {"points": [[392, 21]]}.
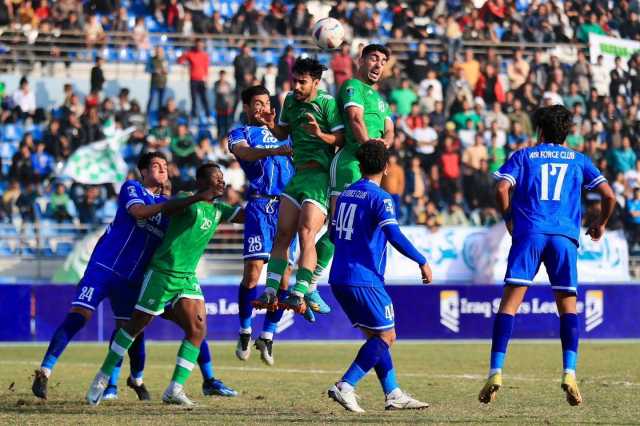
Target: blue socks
{"points": [[204, 361], [502, 329], [137, 357], [245, 310], [368, 356], [72, 323], [569, 339], [272, 319], [386, 373]]}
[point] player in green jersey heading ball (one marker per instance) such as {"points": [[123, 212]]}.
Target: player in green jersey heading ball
{"points": [[171, 279], [312, 119], [366, 116]]}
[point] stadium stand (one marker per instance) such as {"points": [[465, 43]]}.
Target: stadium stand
{"points": [[461, 88]]}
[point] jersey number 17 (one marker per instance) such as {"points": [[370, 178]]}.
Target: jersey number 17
{"points": [[552, 169]]}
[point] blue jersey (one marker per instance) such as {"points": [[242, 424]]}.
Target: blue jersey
{"points": [[360, 258], [548, 181], [128, 244], [269, 175]]}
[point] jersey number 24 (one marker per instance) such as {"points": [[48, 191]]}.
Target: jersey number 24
{"points": [[552, 169]]}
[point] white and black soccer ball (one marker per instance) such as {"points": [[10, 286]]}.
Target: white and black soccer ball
{"points": [[328, 33]]}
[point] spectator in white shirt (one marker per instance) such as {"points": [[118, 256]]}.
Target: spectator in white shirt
{"points": [[431, 81], [25, 99], [600, 77], [426, 140], [234, 176]]}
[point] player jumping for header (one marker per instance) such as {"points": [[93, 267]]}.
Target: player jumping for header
{"points": [[171, 278], [311, 117], [366, 116], [266, 162], [543, 215], [364, 221]]}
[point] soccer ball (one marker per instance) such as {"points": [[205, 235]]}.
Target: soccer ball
{"points": [[328, 33]]}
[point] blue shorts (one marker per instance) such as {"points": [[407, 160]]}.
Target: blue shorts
{"points": [[99, 283], [260, 228], [366, 307], [558, 253]]}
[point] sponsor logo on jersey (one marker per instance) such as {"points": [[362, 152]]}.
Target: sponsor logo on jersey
{"points": [[594, 315]]}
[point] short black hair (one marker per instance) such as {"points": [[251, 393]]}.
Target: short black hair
{"points": [[373, 157], [145, 159], [250, 92], [554, 122], [310, 66], [205, 170], [376, 48]]}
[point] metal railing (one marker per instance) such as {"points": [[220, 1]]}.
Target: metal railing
{"points": [[71, 46]]}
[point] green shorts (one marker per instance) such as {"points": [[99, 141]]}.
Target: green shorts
{"points": [[161, 288], [309, 186], [345, 170]]}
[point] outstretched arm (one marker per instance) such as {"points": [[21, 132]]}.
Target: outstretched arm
{"points": [[401, 243], [244, 152], [143, 211], [607, 205], [504, 202]]}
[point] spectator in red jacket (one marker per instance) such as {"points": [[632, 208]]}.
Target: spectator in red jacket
{"points": [[450, 169], [489, 87], [198, 60], [342, 66]]}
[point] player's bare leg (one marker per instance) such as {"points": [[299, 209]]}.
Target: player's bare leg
{"points": [[310, 223], [191, 315], [76, 319], [122, 341], [278, 262], [512, 297], [566, 303]]}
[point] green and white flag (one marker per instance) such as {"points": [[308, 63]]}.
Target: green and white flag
{"points": [[100, 162]]}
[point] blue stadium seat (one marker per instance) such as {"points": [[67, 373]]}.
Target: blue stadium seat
{"points": [[63, 248], [12, 132]]}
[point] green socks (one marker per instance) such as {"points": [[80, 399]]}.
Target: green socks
{"points": [[275, 270], [187, 358], [324, 250], [120, 345], [303, 280]]}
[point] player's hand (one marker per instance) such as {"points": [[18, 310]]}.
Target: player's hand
{"points": [[379, 140], [283, 150], [267, 118], [596, 231], [312, 127], [427, 275]]}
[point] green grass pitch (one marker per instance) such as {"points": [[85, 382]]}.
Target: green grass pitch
{"points": [[447, 375]]}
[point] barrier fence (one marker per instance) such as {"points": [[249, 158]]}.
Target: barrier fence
{"points": [[32, 312]]}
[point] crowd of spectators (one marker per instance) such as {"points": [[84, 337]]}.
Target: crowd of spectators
{"points": [[454, 20], [458, 114]]}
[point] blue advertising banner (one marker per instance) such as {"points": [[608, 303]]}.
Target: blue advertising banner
{"points": [[31, 313]]}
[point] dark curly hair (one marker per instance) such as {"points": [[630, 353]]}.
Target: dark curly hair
{"points": [[249, 93], [554, 122], [373, 157], [310, 66], [145, 159]]}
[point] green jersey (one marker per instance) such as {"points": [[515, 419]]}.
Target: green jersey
{"points": [[307, 147], [187, 237], [376, 111]]}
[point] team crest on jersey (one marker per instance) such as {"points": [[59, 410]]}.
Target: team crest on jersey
{"points": [[132, 191], [388, 205], [350, 92]]}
